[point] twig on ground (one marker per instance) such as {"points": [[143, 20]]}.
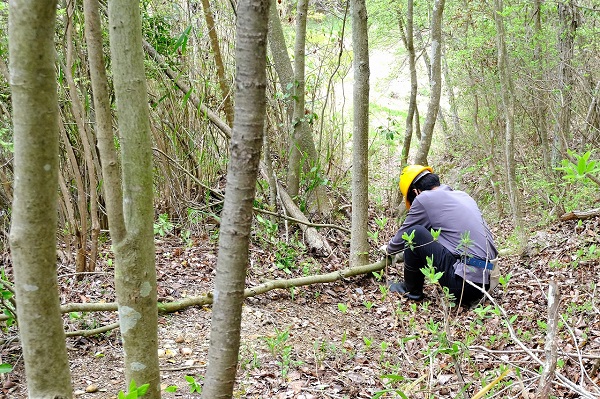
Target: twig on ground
{"points": [[570, 384], [550, 346]]}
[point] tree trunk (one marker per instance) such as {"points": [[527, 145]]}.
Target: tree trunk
{"points": [[507, 95], [111, 172], [135, 273], [435, 82], [89, 265], [409, 43], [540, 99], [236, 221], [359, 245], [34, 210], [214, 42], [298, 120], [566, 39], [281, 58]]}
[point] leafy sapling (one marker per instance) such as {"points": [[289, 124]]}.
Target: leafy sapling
{"points": [[431, 275], [134, 391], [409, 238], [195, 386]]}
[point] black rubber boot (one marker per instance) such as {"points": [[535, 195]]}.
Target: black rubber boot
{"points": [[402, 289]]}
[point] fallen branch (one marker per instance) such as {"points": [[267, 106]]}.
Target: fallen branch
{"points": [[207, 299], [314, 240], [580, 215], [550, 347]]}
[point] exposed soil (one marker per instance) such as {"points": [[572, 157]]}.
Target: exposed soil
{"points": [[339, 340]]}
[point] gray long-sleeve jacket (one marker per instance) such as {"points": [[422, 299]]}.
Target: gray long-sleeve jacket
{"points": [[454, 213]]}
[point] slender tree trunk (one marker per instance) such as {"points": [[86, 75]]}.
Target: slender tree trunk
{"points": [[409, 43], [540, 99], [214, 42], [35, 206], [111, 172], [246, 141], [566, 39], [507, 95], [359, 245], [89, 265], [281, 58], [135, 273], [435, 82], [298, 120], [302, 150], [456, 128]]}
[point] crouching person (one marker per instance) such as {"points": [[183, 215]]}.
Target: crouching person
{"points": [[463, 250]]}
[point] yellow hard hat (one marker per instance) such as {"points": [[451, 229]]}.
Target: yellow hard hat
{"points": [[409, 174]]}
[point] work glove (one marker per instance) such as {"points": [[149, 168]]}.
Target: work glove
{"points": [[397, 258]]}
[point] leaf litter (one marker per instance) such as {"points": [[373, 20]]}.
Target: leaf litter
{"points": [[350, 339]]}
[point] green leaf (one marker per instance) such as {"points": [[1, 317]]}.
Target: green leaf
{"points": [[5, 368], [143, 389], [132, 386], [393, 377]]}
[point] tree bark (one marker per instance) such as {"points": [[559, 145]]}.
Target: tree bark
{"points": [[359, 245], [281, 58], [435, 82], [135, 273], [302, 150], [507, 94], [566, 39], [298, 120], [540, 99], [236, 220], [214, 42], [89, 264], [34, 212], [550, 347], [111, 171], [409, 43]]}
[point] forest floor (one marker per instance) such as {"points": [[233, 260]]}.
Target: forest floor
{"points": [[350, 339]]}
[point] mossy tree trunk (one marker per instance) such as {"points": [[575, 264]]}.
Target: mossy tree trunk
{"points": [[246, 142], [35, 203]]}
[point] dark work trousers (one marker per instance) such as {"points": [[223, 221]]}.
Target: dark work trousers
{"points": [[443, 261]]}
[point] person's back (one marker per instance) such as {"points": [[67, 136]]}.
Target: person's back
{"points": [[456, 214]]}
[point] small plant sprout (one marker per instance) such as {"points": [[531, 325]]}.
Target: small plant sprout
{"points": [[368, 342], [368, 304], [409, 238], [384, 291], [378, 276], [431, 275], [504, 280], [195, 386], [581, 168], [276, 343], [381, 222], [342, 307], [465, 243], [373, 235], [134, 391], [163, 226]]}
